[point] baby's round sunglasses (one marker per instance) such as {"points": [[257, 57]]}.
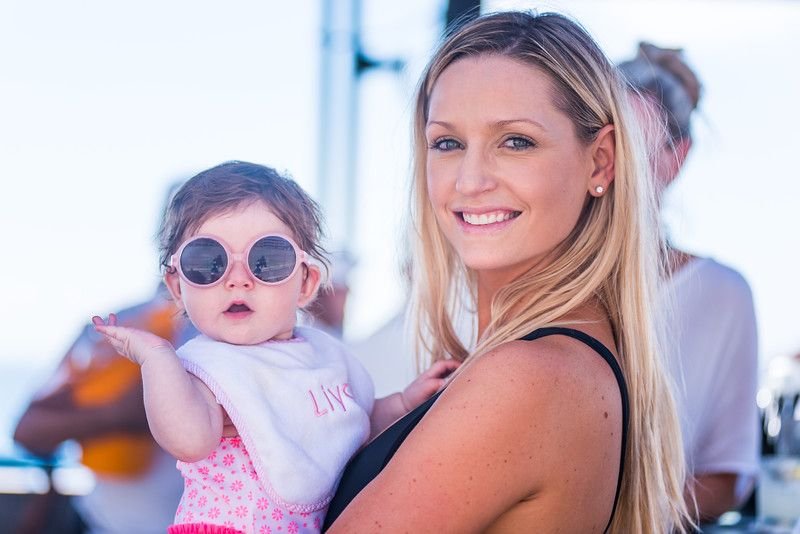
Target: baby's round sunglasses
{"points": [[204, 260]]}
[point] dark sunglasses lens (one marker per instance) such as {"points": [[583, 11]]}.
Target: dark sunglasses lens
{"points": [[203, 261], [272, 259]]}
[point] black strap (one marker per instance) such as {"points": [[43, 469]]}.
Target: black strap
{"points": [[370, 461], [603, 351]]}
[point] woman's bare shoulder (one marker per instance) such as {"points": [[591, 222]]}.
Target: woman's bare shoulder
{"points": [[501, 438], [554, 374]]}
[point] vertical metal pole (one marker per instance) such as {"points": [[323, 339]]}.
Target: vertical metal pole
{"points": [[338, 115], [338, 128], [461, 11]]}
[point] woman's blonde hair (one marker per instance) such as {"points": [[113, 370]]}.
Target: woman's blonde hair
{"points": [[612, 256]]}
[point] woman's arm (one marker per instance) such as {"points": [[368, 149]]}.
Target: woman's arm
{"points": [[529, 434], [182, 412]]}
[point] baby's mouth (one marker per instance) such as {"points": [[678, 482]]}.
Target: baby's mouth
{"points": [[238, 308]]}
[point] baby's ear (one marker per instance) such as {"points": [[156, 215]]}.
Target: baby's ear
{"points": [[311, 282], [172, 281]]}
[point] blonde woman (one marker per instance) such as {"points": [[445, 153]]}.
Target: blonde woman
{"points": [[531, 189]]}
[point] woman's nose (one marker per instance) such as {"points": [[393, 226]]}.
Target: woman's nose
{"points": [[475, 173]]}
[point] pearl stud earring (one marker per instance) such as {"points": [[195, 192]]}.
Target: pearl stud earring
{"points": [[599, 189]]}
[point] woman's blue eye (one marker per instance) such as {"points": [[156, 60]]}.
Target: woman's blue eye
{"points": [[445, 145], [518, 143]]}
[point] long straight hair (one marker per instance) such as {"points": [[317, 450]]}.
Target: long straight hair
{"points": [[614, 254]]}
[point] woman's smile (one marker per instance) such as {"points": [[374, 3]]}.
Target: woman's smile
{"points": [[476, 220]]}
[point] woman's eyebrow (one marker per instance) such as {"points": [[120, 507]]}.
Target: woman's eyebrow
{"points": [[525, 120], [497, 124], [444, 124]]}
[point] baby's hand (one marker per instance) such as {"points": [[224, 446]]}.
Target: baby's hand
{"points": [[136, 345], [427, 383]]}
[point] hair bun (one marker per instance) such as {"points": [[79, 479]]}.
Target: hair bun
{"points": [[672, 60]]}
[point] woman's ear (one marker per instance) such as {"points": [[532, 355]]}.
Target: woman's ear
{"points": [[603, 150], [311, 281], [173, 283]]}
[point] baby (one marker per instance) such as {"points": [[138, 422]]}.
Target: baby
{"points": [[261, 414]]}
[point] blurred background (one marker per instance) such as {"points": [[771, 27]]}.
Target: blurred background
{"points": [[104, 105]]}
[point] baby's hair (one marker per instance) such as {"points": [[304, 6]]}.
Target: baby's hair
{"points": [[234, 184]]}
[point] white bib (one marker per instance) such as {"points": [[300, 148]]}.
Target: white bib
{"points": [[301, 408]]}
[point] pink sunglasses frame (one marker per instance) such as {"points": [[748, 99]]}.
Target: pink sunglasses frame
{"points": [[300, 255]]}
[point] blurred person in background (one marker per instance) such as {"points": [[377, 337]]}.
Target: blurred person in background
{"points": [[95, 397], [712, 340], [327, 312]]}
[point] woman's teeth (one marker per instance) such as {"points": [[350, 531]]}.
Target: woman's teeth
{"points": [[488, 218]]}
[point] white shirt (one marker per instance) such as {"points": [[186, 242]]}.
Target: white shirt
{"points": [[713, 355]]}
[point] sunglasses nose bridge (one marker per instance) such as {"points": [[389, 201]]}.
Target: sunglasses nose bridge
{"points": [[239, 274]]}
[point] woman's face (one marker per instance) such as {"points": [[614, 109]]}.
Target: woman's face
{"points": [[507, 175]]}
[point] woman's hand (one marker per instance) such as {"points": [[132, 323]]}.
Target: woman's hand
{"points": [[136, 345]]}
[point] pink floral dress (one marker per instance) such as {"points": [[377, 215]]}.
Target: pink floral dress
{"points": [[224, 490], [301, 408]]}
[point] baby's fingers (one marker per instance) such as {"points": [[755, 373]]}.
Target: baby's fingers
{"points": [[115, 336], [137, 345], [98, 321], [117, 333], [441, 369]]}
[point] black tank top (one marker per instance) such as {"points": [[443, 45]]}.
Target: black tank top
{"points": [[371, 460]]}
